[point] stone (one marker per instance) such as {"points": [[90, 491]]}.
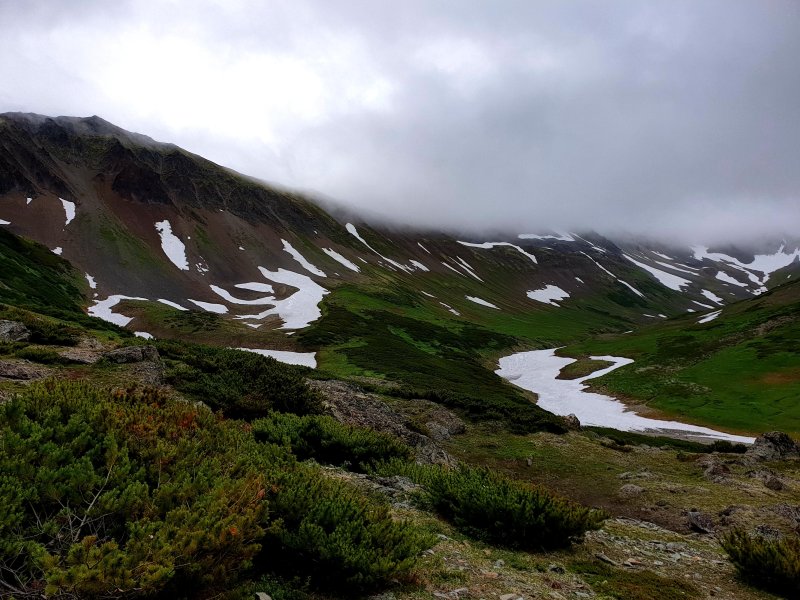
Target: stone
{"points": [[701, 522], [499, 564], [629, 490], [554, 568], [572, 422], [773, 445], [508, 597], [132, 354], [23, 370], [13, 331], [773, 483], [604, 558], [263, 596]]}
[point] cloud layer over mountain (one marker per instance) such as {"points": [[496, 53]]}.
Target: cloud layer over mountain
{"points": [[677, 119]]}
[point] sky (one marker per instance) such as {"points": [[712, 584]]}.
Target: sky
{"points": [[666, 118]]}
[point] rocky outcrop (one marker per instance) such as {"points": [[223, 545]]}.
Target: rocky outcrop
{"points": [[774, 445], [349, 404], [13, 331], [132, 354], [22, 370], [700, 522]]}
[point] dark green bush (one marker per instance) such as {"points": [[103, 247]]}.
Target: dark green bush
{"points": [[240, 384], [44, 356], [773, 565], [44, 330], [328, 441], [491, 507], [124, 495], [325, 530]]}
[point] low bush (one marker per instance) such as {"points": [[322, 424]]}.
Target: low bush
{"points": [[240, 384], [328, 532], [45, 356], [492, 507], [773, 565], [327, 441]]}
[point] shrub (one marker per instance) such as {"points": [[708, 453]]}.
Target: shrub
{"points": [[328, 441], [494, 508], [773, 565], [327, 531], [240, 384], [125, 495]]}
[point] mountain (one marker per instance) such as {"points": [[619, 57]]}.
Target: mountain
{"points": [[174, 246]]}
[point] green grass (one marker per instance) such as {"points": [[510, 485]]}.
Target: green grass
{"points": [[740, 372]]}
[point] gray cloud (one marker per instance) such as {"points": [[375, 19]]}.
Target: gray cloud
{"points": [[677, 119]]}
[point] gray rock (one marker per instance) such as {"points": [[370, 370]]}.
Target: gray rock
{"points": [[23, 370], [773, 483], [572, 422], [774, 445], [629, 490], [701, 522], [13, 331], [132, 354]]}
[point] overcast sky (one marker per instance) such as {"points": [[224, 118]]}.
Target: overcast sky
{"points": [[667, 118]]}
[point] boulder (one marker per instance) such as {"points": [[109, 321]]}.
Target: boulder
{"points": [[13, 331], [701, 522], [572, 422], [630, 490], [773, 483], [774, 445], [23, 370], [132, 354]]}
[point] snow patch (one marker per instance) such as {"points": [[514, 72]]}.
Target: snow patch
{"points": [[559, 235], [548, 295], [722, 276], [3, 222], [427, 294], [709, 316], [58, 250], [92, 282], [287, 247], [102, 309], [537, 371], [305, 359], [28, 201], [143, 334], [219, 309], [481, 301], [669, 280], [234, 300], [419, 265], [255, 286], [451, 309], [631, 288], [763, 263], [172, 304], [711, 296], [489, 245], [172, 246], [69, 210], [423, 247], [354, 232], [341, 259]]}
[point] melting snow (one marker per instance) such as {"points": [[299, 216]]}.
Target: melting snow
{"points": [[631, 288], [172, 304], [454, 270], [722, 276], [599, 265], [669, 280], [710, 316], [548, 294], [219, 309], [255, 286], [92, 282], [58, 250], [69, 210], [143, 334], [102, 309], [477, 300], [419, 265], [172, 246], [2, 222], [537, 371], [452, 310], [287, 247], [354, 232], [299, 309], [305, 359], [676, 268], [701, 304], [28, 200], [423, 247], [234, 300], [341, 259], [711, 296], [763, 263], [489, 245], [560, 235], [427, 294], [579, 279]]}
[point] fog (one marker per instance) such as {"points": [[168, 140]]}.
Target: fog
{"points": [[674, 119]]}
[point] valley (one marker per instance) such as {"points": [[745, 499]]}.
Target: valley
{"points": [[284, 350]]}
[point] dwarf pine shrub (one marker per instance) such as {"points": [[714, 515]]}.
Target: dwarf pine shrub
{"points": [[492, 507], [773, 565], [327, 441]]}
